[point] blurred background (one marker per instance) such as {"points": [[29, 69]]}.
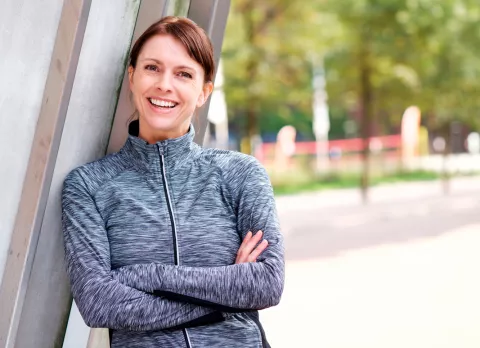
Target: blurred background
{"points": [[366, 115], [370, 91]]}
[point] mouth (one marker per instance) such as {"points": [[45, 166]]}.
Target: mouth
{"points": [[162, 104]]}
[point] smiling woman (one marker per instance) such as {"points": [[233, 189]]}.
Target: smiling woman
{"points": [[168, 244], [171, 72]]}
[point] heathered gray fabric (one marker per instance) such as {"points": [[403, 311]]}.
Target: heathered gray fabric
{"points": [[120, 247]]}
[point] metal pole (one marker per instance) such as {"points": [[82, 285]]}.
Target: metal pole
{"points": [[212, 16], [40, 167]]}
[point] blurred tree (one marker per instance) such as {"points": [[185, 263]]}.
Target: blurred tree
{"points": [[450, 84], [395, 53], [448, 62], [381, 56], [366, 70], [267, 55]]}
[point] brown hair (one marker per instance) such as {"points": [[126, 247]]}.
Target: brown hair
{"points": [[193, 38]]}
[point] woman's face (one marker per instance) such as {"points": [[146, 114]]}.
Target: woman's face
{"points": [[167, 85]]}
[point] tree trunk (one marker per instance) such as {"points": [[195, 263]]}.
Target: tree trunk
{"points": [[252, 122], [366, 113], [251, 126]]}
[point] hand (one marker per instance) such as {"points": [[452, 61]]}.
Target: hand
{"points": [[250, 249]]}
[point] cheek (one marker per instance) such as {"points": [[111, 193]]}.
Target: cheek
{"points": [[138, 100], [134, 89], [141, 83], [137, 97], [190, 95]]}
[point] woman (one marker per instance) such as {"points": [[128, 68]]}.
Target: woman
{"points": [[163, 239]]}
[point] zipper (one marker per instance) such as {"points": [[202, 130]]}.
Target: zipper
{"points": [[176, 256]]}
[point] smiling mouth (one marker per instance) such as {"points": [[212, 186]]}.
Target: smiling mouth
{"points": [[162, 104]]}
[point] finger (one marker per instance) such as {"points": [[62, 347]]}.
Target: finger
{"points": [[241, 256], [258, 250], [248, 246], [255, 239], [252, 243], [245, 241], [247, 238]]}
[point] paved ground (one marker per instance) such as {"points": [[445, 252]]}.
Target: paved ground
{"points": [[400, 272]]}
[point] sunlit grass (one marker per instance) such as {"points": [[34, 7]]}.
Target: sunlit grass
{"points": [[302, 182]]}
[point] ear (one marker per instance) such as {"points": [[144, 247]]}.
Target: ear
{"points": [[130, 75], [206, 91]]}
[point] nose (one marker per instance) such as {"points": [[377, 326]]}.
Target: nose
{"points": [[164, 82]]}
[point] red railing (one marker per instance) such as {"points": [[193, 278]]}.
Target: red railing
{"points": [[347, 147]]}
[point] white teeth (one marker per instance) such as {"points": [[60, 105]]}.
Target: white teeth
{"points": [[162, 103]]}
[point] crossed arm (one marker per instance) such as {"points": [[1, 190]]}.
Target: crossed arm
{"points": [[120, 299], [239, 287], [102, 300]]}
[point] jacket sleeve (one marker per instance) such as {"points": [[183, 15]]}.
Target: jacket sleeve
{"points": [[247, 286], [102, 300]]}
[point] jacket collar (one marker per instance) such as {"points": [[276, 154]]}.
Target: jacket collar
{"points": [[174, 150]]}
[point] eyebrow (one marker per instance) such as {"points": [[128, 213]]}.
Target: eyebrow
{"points": [[177, 67]]}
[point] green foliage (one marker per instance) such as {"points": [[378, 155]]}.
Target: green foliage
{"points": [[418, 52], [267, 55], [342, 181]]}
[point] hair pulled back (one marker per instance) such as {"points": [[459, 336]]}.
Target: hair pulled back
{"points": [[187, 32]]}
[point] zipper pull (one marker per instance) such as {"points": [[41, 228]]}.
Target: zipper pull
{"points": [[160, 149], [163, 147]]}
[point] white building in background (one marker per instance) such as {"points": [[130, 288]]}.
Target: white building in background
{"points": [[473, 143], [321, 119]]}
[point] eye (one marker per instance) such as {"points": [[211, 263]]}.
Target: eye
{"points": [[151, 67], [185, 74]]}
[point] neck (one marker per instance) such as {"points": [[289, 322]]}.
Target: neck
{"points": [[152, 136]]}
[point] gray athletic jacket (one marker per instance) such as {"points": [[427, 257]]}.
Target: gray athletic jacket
{"points": [[151, 235]]}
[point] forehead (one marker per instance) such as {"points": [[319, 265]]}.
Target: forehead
{"points": [[168, 50]]}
